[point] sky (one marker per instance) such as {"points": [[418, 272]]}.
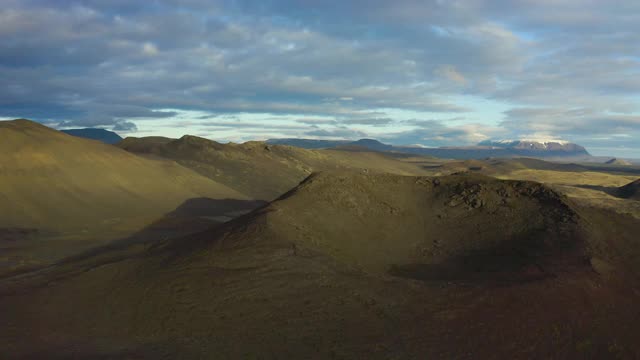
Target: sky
{"points": [[431, 72]]}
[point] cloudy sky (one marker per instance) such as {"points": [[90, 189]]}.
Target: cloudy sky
{"points": [[430, 72]]}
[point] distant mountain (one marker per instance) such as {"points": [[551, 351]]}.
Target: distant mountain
{"points": [[538, 145], [615, 161], [309, 143], [369, 144], [103, 135], [372, 145], [486, 149]]}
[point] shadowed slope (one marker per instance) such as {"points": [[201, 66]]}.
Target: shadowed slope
{"points": [[306, 277], [145, 145], [630, 191]]}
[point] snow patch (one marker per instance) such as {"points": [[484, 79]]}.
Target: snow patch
{"points": [[546, 141], [532, 141]]}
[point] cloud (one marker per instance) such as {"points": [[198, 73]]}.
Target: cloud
{"points": [[373, 65], [149, 49], [337, 133], [252, 125], [570, 121], [452, 74], [125, 126], [436, 133], [115, 117], [368, 121], [315, 121]]}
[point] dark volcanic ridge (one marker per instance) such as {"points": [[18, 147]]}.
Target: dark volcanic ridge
{"points": [[616, 161], [445, 224], [630, 191]]}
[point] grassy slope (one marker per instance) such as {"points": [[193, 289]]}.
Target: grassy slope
{"points": [[243, 290], [51, 180], [259, 170]]}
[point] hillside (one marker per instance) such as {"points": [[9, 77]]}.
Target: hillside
{"points": [[53, 181], [494, 167], [260, 170], [416, 209], [615, 161], [145, 145], [106, 136], [309, 143], [630, 191], [352, 265], [61, 194]]}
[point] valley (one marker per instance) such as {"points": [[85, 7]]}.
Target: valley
{"points": [[376, 180], [182, 248]]}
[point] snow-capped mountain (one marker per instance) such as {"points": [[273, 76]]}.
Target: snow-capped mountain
{"points": [[538, 148], [537, 145]]}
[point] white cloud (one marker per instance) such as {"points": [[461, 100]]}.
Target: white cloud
{"points": [[346, 61], [450, 72], [149, 49]]}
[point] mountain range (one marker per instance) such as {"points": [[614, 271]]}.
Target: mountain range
{"points": [[498, 149], [541, 148]]}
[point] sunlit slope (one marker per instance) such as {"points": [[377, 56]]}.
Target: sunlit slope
{"points": [[259, 170], [51, 180]]}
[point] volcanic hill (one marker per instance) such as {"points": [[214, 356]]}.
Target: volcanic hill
{"points": [[352, 265], [615, 161]]}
